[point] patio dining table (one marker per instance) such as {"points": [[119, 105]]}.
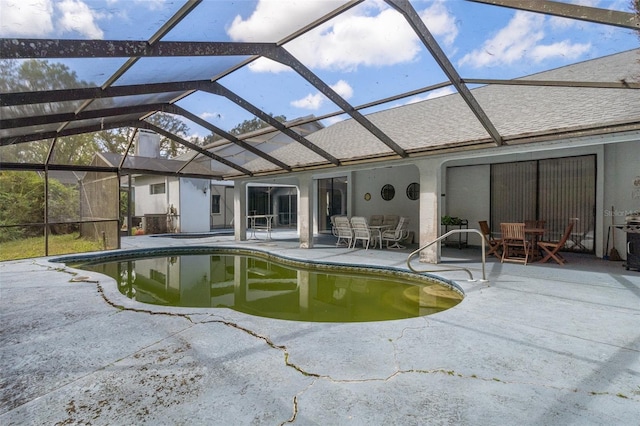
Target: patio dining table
{"points": [[376, 232], [534, 235]]}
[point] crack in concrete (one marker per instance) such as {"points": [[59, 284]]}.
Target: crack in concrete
{"points": [[293, 417], [299, 369]]}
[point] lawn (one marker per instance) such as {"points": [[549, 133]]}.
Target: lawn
{"points": [[58, 244]]}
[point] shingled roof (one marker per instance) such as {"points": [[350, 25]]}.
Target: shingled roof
{"points": [[521, 113]]}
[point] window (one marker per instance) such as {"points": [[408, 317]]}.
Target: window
{"points": [[388, 192], [413, 191], [157, 188], [215, 204]]}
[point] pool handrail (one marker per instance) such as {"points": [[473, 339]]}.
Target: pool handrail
{"points": [[443, 236]]}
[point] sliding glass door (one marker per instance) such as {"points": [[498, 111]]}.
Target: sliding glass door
{"points": [[556, 191], [332, 200]]}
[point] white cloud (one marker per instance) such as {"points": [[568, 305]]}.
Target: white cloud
{"points": [[274, 19], [26, 18], [431, 95], [563, 49], [152, 4], [208, 115], [312, 102], [440, 22], [315, 101], [371, 34], [343, 89], [510, 44], [267, 65], [77, 16], [521, 39]]}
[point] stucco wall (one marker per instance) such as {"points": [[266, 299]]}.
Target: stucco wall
{"points": [[466, 196], [194, 207], [621, 187], [146, 203], [372, 181], [618, 165]]}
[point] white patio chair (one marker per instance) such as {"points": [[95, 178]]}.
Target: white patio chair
{"points": [[399, 233], [342, 230], [361, 231]]}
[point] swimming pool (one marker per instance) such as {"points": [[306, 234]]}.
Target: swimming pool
{"points": [[265, 285]]}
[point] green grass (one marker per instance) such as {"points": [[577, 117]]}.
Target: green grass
{"points": [[58, 244]]}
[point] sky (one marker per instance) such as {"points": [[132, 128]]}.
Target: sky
{"points": [[365, 54]]}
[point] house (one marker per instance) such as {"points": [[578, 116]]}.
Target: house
{"points": [[190, 205], [566, 152]]}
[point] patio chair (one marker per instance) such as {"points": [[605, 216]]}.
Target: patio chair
{"points": [[534, 223], [390, 220], [551, 249], [343, 230], [514, 243], [494, 244], [334, 231], [376, 220], [399, 233], [361, 231]]}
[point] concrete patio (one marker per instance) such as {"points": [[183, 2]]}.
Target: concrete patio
{"points": [[540, 344]]}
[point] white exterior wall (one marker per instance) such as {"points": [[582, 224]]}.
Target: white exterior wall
{"points": [[465, 182], [467, 196], [194, 207], [618, 165], [145, 203], [372, 181], [621, 187]]}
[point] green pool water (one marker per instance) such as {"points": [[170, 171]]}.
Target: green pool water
{"points": [[285, 290]]}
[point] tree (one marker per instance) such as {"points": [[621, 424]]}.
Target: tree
{"points": [[254, 124], [34, 75], [117, 140], [22, 198]]}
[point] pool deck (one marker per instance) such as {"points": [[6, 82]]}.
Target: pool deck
{"points": [[541, 344]]}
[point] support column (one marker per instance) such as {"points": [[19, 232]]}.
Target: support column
{"points": [[430, 189], [305, 211], [240, 211]]}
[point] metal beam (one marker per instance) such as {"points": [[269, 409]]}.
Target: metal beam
{"points": [[556, 83], [571, 11], [67, 117], [63, 95], [190, 145], [218, 89], [284, 57], [414, 20], [56, 48], [126, 151], [37, 136], [175, 109], [162, 31]]}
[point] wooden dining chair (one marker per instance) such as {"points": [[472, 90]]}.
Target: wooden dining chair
{"points": [[494, 244], [514, 243], [551, 249], [538, 224]]}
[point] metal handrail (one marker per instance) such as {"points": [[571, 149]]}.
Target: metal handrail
{"points": [[453, 231]]}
